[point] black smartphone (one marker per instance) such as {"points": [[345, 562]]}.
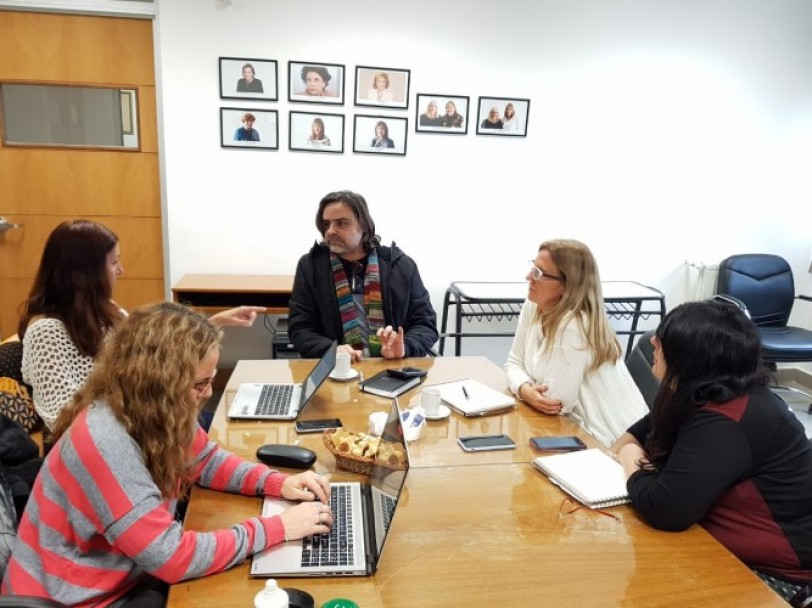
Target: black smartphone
{"points": [[557, 444], [482, 443], [407, 372], [316, 426]]}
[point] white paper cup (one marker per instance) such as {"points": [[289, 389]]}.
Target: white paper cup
{"points": [[430, 400], [342, 368]]}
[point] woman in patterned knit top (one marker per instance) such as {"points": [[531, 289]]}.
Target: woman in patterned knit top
{"points": [[70, 310], [99, 528]]}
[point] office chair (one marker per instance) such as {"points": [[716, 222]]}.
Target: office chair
{"points": [[639, 363], [762, 285]]}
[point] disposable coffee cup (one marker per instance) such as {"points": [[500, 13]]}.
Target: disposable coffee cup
{"points": [[342, 368], [430, 400]]}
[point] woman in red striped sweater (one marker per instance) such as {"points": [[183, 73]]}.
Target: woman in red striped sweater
{"points": [[99, 528]]}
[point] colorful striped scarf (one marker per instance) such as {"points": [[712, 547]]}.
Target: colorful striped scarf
{"points": [[373, 303]]}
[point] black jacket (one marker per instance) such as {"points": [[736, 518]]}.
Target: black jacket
{"points": [[314, 319]]}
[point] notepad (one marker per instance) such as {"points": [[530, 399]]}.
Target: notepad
{"points": [[388, 386], [590, 476], [480, 399]]}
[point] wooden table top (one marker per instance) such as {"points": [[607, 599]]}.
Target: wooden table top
{"points": [[471, 527]]}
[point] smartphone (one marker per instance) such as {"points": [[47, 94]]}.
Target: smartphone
{"points": [[316, 426], [407, 372], [557, 444], [482, 443]]}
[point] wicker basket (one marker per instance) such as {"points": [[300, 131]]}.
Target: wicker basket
{"points": [[348, 462]]}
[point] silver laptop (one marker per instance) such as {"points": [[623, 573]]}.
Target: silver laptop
{"points": [[362, 514], [281, 401]]}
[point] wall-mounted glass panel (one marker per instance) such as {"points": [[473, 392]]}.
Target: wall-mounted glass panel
{"points": [[51, 115]]}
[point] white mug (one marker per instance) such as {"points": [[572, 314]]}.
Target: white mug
{"points": [[430, 400], [342, 368]]}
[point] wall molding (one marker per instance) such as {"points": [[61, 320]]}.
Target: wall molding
{"points": [[141, 9]]}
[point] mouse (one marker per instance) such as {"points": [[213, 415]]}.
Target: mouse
{"points": [[290, 456]]}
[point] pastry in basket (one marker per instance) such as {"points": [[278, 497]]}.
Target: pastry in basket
{"points": [[357, 444]]}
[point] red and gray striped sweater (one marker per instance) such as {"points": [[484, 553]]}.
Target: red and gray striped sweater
{"points": [[96, 523]]}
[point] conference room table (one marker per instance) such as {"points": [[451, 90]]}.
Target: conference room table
{"points": [[470, 528]]}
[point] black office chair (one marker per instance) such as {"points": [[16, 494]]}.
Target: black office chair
{"points": [[639, 363], [762, 285]]}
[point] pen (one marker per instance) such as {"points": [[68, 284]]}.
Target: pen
{"points": [[465, 392]]}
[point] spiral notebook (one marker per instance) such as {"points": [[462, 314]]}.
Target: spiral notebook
{"points": [[591, 477]]}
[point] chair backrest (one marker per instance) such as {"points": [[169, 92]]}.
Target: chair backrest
{"points": [[639, 363], [763, 282]]}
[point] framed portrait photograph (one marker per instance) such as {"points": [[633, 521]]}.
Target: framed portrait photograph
{"points": [[316, 82], [244, 128], [381, 87], [502, 116], [444, 114], [380, 135], [314, 132], [248, 79]]}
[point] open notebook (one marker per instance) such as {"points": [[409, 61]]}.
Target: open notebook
{"points": [[473, 398], [592, 477]]}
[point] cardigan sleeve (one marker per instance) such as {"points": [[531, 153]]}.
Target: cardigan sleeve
{"points": [[53, 366]]}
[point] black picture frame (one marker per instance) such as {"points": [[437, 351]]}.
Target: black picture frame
{"points": [[233, 84], [266, 126], [518, 124], [331, 75], [395, 95], [443, 123], [365, 131], [301, 131]]}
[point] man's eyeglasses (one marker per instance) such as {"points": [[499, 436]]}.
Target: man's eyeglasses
{"points": [[573, 520], [537, 273]]}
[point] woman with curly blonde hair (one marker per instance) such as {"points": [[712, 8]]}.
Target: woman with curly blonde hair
{"points": [[565, 357], [100, 526]]}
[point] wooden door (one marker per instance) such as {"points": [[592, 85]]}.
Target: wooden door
{"points": [[40, 187]]}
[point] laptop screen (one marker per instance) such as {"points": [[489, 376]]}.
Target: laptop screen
{"points": [[388, 475], [318, 375]]}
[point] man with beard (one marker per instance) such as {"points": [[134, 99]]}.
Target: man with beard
{"points": [[352, 289]]}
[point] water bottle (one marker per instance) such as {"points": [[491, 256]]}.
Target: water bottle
{"points": [[271, 596]]}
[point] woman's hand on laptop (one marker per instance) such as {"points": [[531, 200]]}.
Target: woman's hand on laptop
{"points": [[308, 486], [306, 519]]}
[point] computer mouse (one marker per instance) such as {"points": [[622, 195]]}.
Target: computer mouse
{"points": [[289, 456], [299, 599]]}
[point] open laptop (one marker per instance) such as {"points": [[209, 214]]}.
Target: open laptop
{"points": [[281, 401], [365, 509]]}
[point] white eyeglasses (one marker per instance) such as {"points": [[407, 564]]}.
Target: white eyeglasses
{"points": [[537, 273]]}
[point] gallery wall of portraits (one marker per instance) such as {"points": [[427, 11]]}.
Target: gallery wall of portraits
{"points": [[384, 89]]}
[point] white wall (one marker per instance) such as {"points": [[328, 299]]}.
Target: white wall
{"points": [[660, 131]]}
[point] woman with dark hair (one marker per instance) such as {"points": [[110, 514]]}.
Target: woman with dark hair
{"points": [[316, 78], [248, 83], [565, 357], [100, 526], [719, 448], [70, 311], [381, 139]]}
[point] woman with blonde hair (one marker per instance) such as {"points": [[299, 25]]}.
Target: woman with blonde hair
{"points": [[100, 527], [380, 88], [565, 357]]}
